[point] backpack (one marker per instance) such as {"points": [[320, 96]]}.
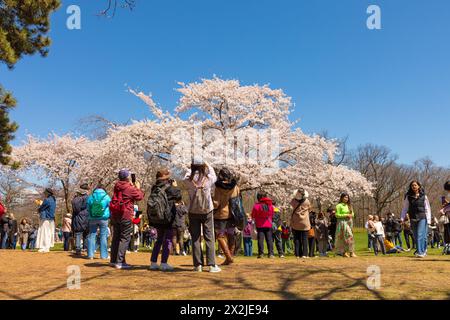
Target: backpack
{"points": [[237, 212], [200, 202], [117, 205], [97, 209], [158, 210]]}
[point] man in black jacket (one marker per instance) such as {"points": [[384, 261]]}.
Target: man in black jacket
{"points": [[80, 217]]}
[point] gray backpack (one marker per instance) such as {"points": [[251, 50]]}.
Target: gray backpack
{"points": [[200, 202]]}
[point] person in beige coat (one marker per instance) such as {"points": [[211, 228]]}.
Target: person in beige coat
{"points": [[225, 189], [300, 223]]}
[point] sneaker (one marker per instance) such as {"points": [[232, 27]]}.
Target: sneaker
{"points": [[214, 269], [407, 250], [282, 256], [272, 257], [353, 255], [260, 257], [183, 254], [305, 257], [198, 269], [220, 256], [112, 264], [123, 266], [420, 256], [154, 266], [166, 267]]}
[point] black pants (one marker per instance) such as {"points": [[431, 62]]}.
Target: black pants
{"points": [[196, 223], [66, 237], [265, 233], [300, 243], [312, 246], [121, 239], [408, 234], [278, 243]]}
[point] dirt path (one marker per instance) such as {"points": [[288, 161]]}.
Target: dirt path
{"points": [[27, 275]]}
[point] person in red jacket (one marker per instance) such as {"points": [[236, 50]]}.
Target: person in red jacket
{"points": [[122, 220], [262, 214]]}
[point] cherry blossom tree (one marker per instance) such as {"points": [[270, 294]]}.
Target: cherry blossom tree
{"points": [[244, 128], [230, 117], [56, 158]]}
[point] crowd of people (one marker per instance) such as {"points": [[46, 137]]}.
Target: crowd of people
{"points": [[416, 222], [215, 214]]}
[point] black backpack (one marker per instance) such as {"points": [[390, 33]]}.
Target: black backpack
{"points": [[237, 212], [158, 208]]}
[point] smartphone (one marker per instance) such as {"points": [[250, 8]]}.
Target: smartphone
{"points": [[133, 177]]}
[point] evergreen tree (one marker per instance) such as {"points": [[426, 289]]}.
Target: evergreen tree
{"points": [[24, 25]]}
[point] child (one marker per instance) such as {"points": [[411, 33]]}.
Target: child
{"points": [[321, 234], [391, 248], [379, 236], [247, 234]]}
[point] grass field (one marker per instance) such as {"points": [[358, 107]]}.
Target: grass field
{"points": [[30, 275]]}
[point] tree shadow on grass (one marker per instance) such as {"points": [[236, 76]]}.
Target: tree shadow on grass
{"points": [[55, 289], [284, 291]]}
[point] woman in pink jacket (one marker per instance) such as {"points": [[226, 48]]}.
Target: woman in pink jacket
{"points": [[262, 214]]}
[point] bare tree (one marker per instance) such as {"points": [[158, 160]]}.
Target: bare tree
{"points": [[112, 5], [379, 165]]}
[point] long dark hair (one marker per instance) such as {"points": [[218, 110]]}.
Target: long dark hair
{"points": [[200, 168], [349, 203], [410, 190]]}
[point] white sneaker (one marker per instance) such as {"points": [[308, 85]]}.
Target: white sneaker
{"points": [[123, 266], [214, 269], [184, 253], [166, 267], [198, 269], [154, 266], [220, 256]]}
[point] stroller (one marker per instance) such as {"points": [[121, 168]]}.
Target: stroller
{"points": [[446, 249]]}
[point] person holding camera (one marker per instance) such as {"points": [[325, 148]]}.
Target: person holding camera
{"points": [[200, 181], [161, 211], [121, 209]]}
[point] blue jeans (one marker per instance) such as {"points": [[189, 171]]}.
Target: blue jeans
{"points": [[93, 226], [420, 230], [398, 239], [4, 240], [13, 242], [78, 237], [370, 241], [248, 247]]}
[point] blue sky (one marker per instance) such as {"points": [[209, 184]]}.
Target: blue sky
{"points": [[388, 87]]}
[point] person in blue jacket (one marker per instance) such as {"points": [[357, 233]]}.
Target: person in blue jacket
{"points": [[46, 232], [98, 208]]}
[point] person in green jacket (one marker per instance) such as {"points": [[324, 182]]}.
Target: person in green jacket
{"points": [[344, 230]]}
